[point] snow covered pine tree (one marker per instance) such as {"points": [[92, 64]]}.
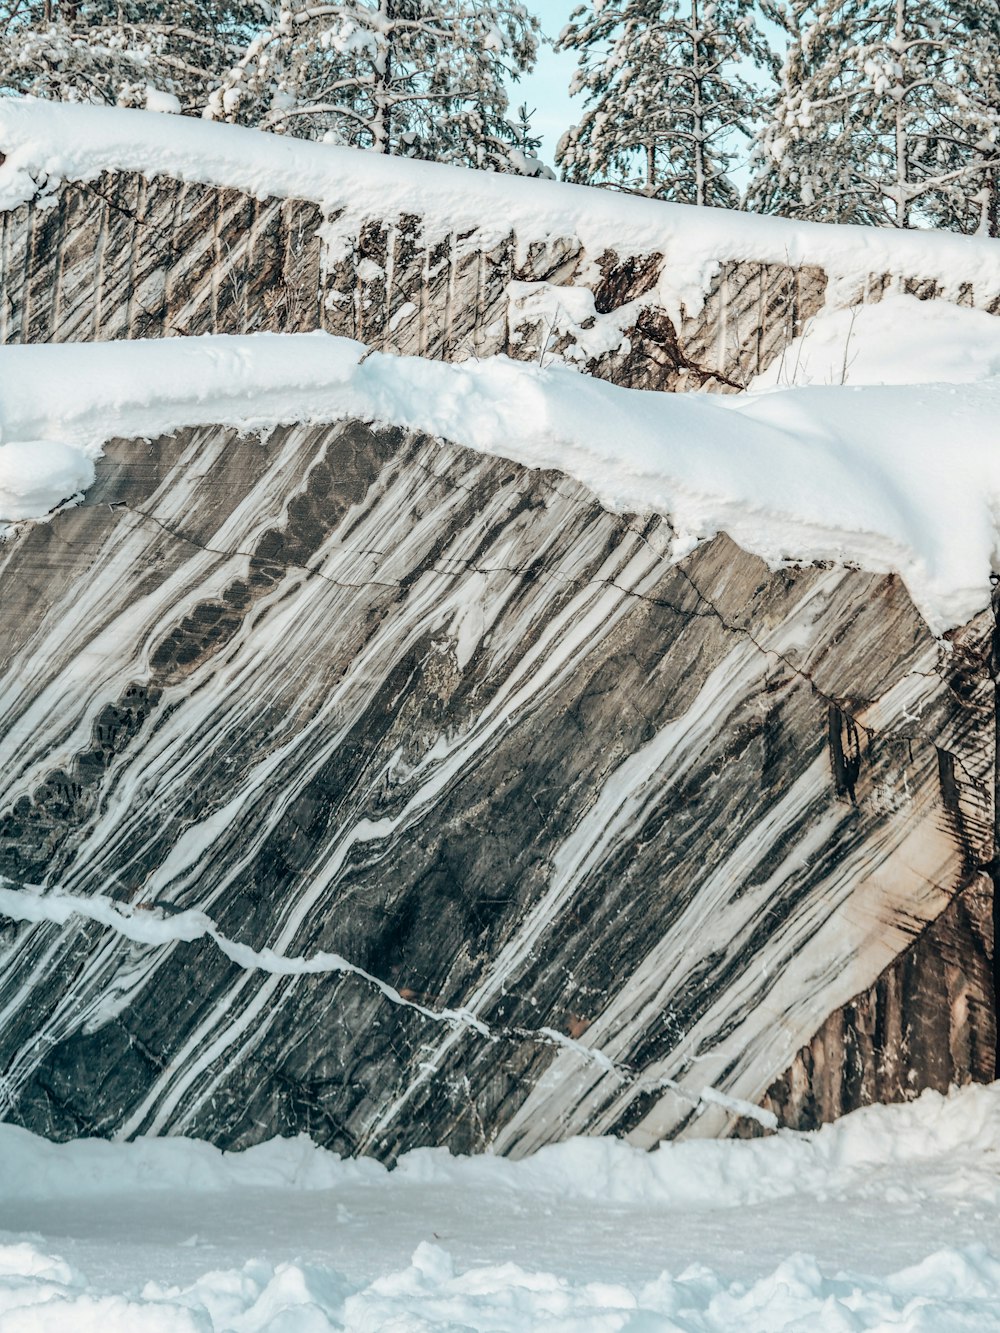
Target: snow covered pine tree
{"points": [[165, 54], [970, 131], [665, 93], [418, 77], [888, 114]]}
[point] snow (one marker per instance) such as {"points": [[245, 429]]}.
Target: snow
{"points": [[885, 1220], [36, 475], [570, 310], [892, 478], [165, 103], [899, 340], [46, 143]]}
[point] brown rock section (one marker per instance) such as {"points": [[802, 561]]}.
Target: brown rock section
{"points": [[928, 1022]]}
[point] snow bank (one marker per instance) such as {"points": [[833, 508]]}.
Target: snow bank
{"points": [[933, 1144], [890, 478], [951, 1291], [37, 475], [46, 143], [885, 1163], [34, 1168], [900, 340]]}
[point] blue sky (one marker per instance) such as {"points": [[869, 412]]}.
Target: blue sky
{"points": [[547, 87]]}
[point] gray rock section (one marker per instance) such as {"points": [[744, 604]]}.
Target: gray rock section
{"points": [[127, 257], [647, 825]]}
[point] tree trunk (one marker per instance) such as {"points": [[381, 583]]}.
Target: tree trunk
{"points": [[901, 191], [991, 176], [697, 111], [381, 95]]}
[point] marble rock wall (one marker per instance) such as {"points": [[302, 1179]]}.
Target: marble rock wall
{"points": [[127, 257], [646, 829], [579, 832]]}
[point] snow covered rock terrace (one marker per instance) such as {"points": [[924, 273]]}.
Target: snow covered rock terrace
{"points": [[121, 224]]}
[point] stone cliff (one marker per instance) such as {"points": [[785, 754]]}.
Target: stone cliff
{"points": [[614, 830], [579, 837]]}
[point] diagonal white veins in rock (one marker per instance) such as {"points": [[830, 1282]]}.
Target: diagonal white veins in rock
{"points": [[29, 903]]}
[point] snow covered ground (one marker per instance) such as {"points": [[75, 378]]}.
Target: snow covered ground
{"points": [[888, 1220], [898, 340]]}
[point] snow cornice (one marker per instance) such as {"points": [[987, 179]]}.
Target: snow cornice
{"points": [[901, 479]]}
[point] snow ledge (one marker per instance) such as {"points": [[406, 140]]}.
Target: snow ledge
{"points": [[892, 479], [47, 143]]}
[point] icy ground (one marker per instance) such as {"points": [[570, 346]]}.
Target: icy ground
{"points": [[886, 1221]]}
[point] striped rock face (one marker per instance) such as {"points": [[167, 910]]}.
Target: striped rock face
{"points": [[503, 827], [126, 257]]}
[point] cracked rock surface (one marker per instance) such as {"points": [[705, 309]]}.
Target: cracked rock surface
{"points": [[603, 830]]}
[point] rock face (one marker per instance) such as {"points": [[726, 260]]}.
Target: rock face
{"points": [[590, 832], [127, 257], [928, 1022]]}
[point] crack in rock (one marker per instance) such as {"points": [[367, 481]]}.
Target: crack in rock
{"points": [[159, 928]]}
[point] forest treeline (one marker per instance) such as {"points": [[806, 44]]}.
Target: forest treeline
{"points": [[884, 112]]}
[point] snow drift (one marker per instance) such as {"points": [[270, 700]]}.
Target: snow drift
{"points": [[898, 340], [889, 478], [361, 1248], [935, 1142]]}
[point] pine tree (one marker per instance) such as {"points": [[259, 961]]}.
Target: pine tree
{"points": [[523, 155], [887, 114], [418, 77], [785, 179], [968, 128], [665, 94], [524, 135], [167, 53]]}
